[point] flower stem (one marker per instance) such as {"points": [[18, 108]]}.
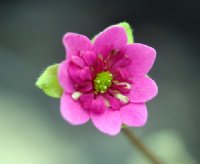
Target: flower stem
{"points": [[135, 141]]}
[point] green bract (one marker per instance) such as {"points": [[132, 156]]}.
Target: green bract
{"points": [[129, 31], [48, 82]]}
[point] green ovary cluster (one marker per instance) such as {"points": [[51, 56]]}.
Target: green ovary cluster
{"points": [[102, 82]]}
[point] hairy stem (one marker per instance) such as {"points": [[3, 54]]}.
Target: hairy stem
{"points": [[136, 142]]}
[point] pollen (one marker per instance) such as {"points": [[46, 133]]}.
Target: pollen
{"points": [[102, 82]]}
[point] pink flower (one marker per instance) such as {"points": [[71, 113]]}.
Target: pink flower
{"points": [[106, 81]]}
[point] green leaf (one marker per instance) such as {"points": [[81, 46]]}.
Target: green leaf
{"points": [[129, 31], [48, 82]]}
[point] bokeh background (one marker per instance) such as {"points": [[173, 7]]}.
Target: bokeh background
{"points": [[31, 128]]}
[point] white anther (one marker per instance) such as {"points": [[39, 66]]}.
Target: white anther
{"points": [[76, 95], [104, 87], [97, 81], [128, 86], [122, 98], [115, 82], [107, 103]]}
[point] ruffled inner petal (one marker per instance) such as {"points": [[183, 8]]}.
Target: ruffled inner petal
{"points": [[98, 105], [89, 57], [78, 61], [113, 102], [85, 87], [85, 74], [86, 100], [74, 43], [64, 78]]}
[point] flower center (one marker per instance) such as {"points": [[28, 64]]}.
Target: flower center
{"points": [[102, 81]]}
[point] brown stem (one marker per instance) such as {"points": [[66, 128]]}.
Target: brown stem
{"points": [[135, 141]]}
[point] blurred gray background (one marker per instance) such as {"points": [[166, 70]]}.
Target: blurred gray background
{"points": [[32, 130]]}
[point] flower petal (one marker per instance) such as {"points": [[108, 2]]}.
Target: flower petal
{"points": [[85, 87], [108, 122], [121, 74], [63, 77], [89, 57], [85, 74], [143, 89], [134, 114], [98, 105], [74, 72], [86, 100], [74, 43], [142, 57], [78, 61], [114, 36], [72, 111], [113, 102]]}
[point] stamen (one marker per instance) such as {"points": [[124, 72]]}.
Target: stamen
{"points": [[128, 86], [107, 103], [76, 95], [122, 98]]}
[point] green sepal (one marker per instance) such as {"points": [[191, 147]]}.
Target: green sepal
{"points": [[128, 29], [124, 126], [48, 82]]}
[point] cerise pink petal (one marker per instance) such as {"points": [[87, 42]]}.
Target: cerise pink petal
{"points": [[113, 37], [143, 89], [72, 111], [108, 122], [64, 78], [142, 57], [74, 43], [134, 114]]}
